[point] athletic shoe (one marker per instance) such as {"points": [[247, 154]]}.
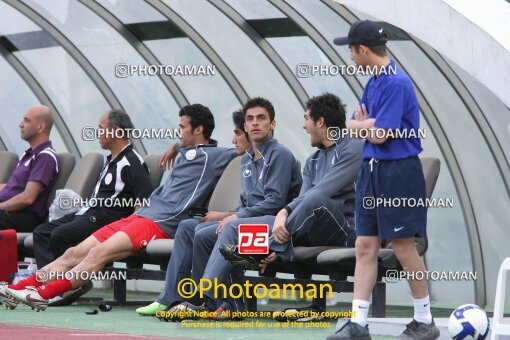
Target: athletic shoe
{"points": [[351, 330], [230, 253], [28, 296], [420, 330], [152, 309], [184, 311], [71, 296], [5, 300]]}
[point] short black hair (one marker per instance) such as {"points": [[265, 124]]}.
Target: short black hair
{"points": [[199, 115], [119, 118], [328, 106], [379, 50], [260, 102], [238, 118]]}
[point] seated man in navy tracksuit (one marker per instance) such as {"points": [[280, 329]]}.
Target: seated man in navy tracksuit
{"points": [[322, 214]]}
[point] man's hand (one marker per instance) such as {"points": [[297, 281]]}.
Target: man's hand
{"points": [[224, 221], [167, 160], [215, 216], [265, 262], [23, 199], [361, 113], [280, 233]]}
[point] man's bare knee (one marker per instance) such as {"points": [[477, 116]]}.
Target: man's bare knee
{"points": [[70, 255], [96, 253], [404, 248], [367, 247]]}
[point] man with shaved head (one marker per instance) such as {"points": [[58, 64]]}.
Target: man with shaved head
{"points": [[23, 198]]}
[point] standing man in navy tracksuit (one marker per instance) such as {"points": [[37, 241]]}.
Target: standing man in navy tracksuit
{"points": [[191, 183], [391, 169], [270, 178]]}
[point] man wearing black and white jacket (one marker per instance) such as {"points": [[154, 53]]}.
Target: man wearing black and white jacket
{"points": [[124, 179]]}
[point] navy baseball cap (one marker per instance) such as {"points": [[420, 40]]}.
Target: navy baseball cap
{"points": [[364, 32]]}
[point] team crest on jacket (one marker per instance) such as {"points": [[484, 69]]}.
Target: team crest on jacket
{"points": [[190, 154], [108, 179], [247, 173]]}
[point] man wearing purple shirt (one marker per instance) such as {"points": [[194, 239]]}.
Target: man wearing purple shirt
{"points": [[23, 198]]}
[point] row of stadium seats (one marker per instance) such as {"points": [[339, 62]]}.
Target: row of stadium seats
{"points": [[336, 263]]}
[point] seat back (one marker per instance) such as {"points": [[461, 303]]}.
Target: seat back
{"points": [[66, 162], [156, 172], [84, 177], [225, 196], [431, 168], [8, 161]]}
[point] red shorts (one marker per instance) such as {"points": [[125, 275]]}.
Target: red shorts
{"points": [[140, 230]]}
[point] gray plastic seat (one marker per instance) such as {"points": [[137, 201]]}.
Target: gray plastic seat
{"points": [[160, 247], [8, 161], [84, 178], [156, 172], [66, 162], [225, 196]]}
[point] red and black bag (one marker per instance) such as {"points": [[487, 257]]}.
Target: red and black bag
{"points": [[8, 254]]}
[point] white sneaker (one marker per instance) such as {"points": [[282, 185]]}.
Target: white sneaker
{"points": [[5, 300], [28, 296]]}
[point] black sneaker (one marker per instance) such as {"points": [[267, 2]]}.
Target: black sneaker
{"points": [[420, 330], [351, 330], [230, 253]]}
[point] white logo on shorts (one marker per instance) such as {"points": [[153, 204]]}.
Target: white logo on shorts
{"points": [[398, 229]]}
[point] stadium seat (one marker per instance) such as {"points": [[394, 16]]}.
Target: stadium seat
{"points": [[66, 162], [8, 160], [156, 172], [225, 196], [81, 180]]}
